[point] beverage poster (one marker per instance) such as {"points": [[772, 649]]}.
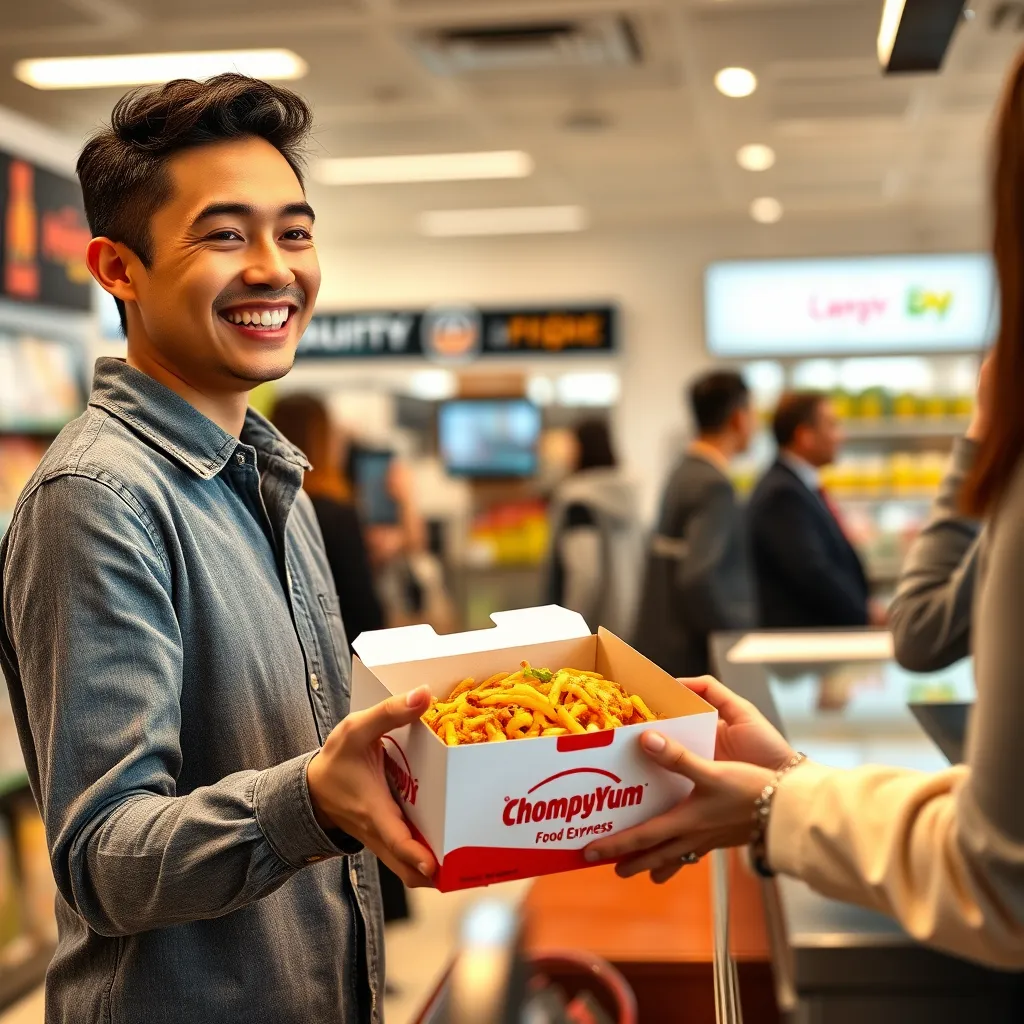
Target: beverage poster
{"points": [[43, 236]]}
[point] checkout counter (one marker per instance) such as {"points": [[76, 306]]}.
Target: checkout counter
{"points": [[834, 963]]}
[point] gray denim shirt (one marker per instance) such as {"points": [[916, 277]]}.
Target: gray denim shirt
{"points": [[175, 655]]}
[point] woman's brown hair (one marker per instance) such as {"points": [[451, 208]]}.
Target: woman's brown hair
{"points": [[305, 421], [1003, 444]]}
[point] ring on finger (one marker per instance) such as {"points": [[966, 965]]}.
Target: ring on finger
{"points": [[690, 858]]}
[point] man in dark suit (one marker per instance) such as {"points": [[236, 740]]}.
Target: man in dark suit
{"points": [[698, 579], [808, 573]]}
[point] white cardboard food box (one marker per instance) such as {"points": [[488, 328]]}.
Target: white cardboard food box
{"points": [[493, 812]]}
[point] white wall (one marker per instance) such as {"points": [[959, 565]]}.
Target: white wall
{"points": [[655, 276]]}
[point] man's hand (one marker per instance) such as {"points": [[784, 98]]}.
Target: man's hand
{"points": [[349, 791]]}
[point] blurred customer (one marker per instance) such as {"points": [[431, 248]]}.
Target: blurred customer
{"points": [[410, 577], [942, 853], [808, 573], [931, 613], [698, 579], [595, 538], [305, 421]]}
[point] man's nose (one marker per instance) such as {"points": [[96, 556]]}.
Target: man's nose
{"points": [[268, 267]]}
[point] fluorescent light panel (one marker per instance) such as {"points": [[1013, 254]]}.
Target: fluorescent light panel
{"points": [[892, 15], [915, 35], [154, 68], [387, 170], [512, 220]]}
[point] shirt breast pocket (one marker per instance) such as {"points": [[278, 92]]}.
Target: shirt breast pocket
{"points": [[335, 647]]}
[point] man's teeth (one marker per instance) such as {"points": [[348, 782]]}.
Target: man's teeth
{"points": [[272, 318]]}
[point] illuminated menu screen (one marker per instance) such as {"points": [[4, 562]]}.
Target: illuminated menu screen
{"points": [[461, 334], [43, 237], [885, 304]]}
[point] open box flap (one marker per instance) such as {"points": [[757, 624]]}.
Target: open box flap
{"points": [[526, 626]]}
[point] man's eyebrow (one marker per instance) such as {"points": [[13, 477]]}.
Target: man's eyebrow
{"points": [[247, 210], [298, 210]]}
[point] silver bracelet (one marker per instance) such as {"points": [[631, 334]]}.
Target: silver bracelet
{"points": [[762, 811]]}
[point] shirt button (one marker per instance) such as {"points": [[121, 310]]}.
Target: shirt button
{"points": [[240, 459], [314, 682]]}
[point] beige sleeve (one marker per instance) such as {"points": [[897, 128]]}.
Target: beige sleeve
{"points": [[943, 853], [887, 839]]}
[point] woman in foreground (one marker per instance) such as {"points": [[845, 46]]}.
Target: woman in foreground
{"points": [[943, 853]]}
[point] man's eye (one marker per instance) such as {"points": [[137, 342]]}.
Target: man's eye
{"points": [[297, 235], [227, 235]]}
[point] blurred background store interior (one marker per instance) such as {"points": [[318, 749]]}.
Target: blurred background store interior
{"points": [[601, 221]]}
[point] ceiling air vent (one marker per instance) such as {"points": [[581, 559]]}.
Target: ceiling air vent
{"points": [[589, 43]]}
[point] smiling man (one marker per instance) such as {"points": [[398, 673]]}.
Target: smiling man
{"points": [[171, 635]]}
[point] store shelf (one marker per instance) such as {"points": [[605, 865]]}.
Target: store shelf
{"points": [[11, 783], [883, 430], [921, 497], [19, 978]]}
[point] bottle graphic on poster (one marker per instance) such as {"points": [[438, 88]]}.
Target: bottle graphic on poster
{"points": [[21, 234]]}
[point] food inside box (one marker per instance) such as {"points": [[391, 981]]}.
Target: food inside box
{"points": [[534, 702]]}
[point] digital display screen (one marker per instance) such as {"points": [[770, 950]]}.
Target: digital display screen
{"points": [[489, 437]]}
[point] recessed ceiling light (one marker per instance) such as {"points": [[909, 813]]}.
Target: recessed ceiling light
{"points": [[506, 220], [766, 210], [756, 157], [154, 68], [735, 82], [389, 170]]}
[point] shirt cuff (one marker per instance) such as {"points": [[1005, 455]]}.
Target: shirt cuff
{"points": [[284, 811], [791, 811]]}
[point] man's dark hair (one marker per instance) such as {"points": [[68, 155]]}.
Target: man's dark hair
{"points": [[795, 409], [123, 166], [595, 445], [715, 396]]}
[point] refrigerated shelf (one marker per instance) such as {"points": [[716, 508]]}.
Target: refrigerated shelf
{"points": [[895, 429]]}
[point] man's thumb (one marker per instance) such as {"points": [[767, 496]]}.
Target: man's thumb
{"points": [[393, 713]]}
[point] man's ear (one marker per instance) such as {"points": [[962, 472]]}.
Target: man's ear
{"points": [[111, 264]]}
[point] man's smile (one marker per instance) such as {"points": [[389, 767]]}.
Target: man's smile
{"points": [[264, 320]]}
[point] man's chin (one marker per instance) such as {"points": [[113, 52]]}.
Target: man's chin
{"points": [[264, 371]]}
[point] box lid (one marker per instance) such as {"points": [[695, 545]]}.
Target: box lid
{"points": [[545, 624]]}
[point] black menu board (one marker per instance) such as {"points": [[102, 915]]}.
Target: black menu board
{"points": [[43, 237]]}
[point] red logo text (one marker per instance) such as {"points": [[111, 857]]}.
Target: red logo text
{"points": [[520, 810], [400, 775]]}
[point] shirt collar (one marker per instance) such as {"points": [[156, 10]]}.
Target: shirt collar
{"points": [[177, 427], [709, 453], [804, 471]]}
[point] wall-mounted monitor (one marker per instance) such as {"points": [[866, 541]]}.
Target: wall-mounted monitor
{"points": [[489, 438]]}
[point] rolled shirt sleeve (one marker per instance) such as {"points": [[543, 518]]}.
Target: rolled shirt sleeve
{"points": [[100, 658]]}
